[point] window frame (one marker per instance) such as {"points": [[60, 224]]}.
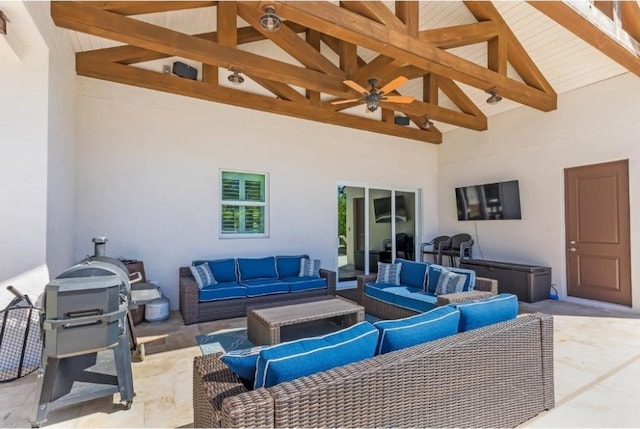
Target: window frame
{"points": [[265, 204]]}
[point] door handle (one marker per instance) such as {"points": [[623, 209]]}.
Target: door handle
{"points": [[572, 242], [573, 249]]}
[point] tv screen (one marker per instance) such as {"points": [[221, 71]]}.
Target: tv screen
{"points": [[489, 202], [382, 209]]}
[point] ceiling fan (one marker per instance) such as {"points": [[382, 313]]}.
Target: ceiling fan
{"points": [[373, 96]]}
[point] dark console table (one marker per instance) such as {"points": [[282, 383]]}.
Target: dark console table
{"points": [[530, 283]]}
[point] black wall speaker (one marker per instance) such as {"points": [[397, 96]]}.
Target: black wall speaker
{"points": [[401, 120], [185, 70]]}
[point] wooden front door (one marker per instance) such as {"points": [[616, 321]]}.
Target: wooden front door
{"points": [[597, 232]]}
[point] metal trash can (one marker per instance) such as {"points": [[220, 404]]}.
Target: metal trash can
{"points": [[157, 310]]}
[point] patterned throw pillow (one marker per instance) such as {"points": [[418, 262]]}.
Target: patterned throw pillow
{"points": [[389, 273], [309, 268], [203, 275], [450, 283]]}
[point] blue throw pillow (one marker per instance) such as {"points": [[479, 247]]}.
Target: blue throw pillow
{"points": [[295, 359], [289, 266], [309, 268], [433, 276], [243, 362], [224, 270], [389, 273], [450, 282], [413, 273], [488, 311], [432, 325], [257, 268], [203, 275]]}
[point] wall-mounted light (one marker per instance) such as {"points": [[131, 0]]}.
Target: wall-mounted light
{"points": [[426, 123], [269, 21], [235, 77], [3, 23], [495, 98]]}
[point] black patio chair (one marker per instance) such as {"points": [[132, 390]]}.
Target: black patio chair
{"points": [[461, 247], [438, 246]]}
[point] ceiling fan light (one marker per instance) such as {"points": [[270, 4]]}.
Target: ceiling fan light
{"points": [[269, 21], [495, 98], [235, 77], [372, 104]]}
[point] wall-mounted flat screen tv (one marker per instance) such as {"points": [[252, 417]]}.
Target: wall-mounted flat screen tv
{"points": [[382, 209], [491, 201]]}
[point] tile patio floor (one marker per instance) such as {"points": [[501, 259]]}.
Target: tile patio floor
{"points": [[596, 359]]}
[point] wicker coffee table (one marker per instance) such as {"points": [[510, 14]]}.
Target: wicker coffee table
{"points": [[263, 324]]}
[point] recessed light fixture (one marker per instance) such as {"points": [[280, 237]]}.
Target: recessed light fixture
{"points": [[495, 98], [270, 21], [235, 77]]}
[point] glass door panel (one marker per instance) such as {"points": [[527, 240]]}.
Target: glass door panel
{"points": [[405, 220], [351, 232], [381, 245]]}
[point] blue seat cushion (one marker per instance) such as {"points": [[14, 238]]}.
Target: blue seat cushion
{"points": [[295, 359], [224, 270], [298, 284], [413, 274], [259, 287], [288, 266], [243, 362], [432, 325], [257, 268], [433, 276], [220, 291], [402, 296], [487, 311]]}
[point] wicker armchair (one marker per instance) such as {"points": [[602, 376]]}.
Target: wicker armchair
{"points": [[484, 288], [497, 376]]}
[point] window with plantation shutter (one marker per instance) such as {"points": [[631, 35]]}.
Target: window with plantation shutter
{"points": [[243, 206]]}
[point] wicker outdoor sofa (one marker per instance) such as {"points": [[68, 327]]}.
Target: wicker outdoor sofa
{"points": [[194, 311], [483, 288], [497, 376]]}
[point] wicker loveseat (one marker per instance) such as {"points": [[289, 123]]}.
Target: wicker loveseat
{"points": [[270, 291], [497, 376]]}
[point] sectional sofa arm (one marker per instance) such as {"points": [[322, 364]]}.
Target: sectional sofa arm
{"points": [[363, 280], [472, 295], [486, 285], [221, 400], [331, 280], [188, 296]]}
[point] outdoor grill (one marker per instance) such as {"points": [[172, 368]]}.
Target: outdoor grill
{"points": [[86, 351]]}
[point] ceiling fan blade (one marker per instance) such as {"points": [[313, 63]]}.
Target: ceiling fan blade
{"points": [[399, 81], [354, 85], [398, 99], [351, 100]]}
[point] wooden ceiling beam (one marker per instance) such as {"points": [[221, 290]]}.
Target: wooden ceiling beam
{"points": [[408, 13], [289, 41], [94, 21], [142, 7], [351, 27], [459, 97], [617, 45], [630, 18], [507, 47], [133, 54], [227, 34], [161, 82], [281, 90], [376, 11], [460, 35]]}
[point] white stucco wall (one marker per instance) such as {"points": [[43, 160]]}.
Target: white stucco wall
{"points": [[149, 166], [594, 124], [37, 173]]}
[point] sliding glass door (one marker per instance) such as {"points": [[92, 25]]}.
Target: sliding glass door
{"points": [[375, 224]]}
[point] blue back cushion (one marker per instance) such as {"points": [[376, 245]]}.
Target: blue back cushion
{"points": [[295, 359], [434, 275], [413, 273], [289, 266], [243, 362], [224, 270], [485, 312], [432, 325], [257, 268]]}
